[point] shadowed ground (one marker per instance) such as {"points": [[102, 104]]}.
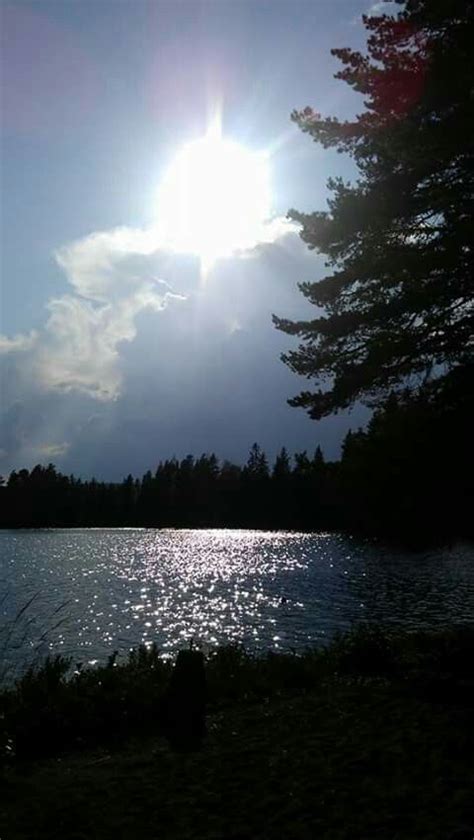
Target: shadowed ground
{"points": [[353, 759]]}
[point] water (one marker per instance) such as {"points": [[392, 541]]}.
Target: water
{"points": [[96, 591]]}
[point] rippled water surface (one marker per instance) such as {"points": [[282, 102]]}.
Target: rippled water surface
{"points": [[95, 591]]}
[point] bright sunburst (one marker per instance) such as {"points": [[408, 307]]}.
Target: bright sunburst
{"points": [[215, 197]]}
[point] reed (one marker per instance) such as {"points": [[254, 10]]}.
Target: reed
{"points": [[23, 631]]}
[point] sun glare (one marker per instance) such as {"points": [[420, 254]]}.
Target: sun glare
{"points": [[214, 198]]}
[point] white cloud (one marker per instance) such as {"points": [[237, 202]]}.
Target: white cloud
{"points": [[80, 346], [271, 232], [92, 264], [380, 7], [383, 7], [19, 343], [110, 275]]}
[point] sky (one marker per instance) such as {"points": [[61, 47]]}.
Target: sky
{"points": [[121, 343]]}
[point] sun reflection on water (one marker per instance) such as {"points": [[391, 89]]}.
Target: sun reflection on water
{"points": [[276, 590], [210, 586]]}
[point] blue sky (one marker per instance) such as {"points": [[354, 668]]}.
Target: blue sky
{"points": [[112, 360]]}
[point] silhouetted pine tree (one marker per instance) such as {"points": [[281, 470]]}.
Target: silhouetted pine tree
{"points": [[396, 311]]}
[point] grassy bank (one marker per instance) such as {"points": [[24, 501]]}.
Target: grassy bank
{"points": [[371, 738]]}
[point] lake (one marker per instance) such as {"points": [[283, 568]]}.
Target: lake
{"points": [[96, 591]]}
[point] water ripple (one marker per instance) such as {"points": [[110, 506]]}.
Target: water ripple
{"points": [[275, 590]]}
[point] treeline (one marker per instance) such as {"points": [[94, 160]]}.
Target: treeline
{"points": [[193, 492], [409, 475]]}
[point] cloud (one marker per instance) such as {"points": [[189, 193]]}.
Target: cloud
{"points": [[102, 351], [202, 375], [380, 7], [19, 343], [82, 337], [110, 275], [52, 450], [94, 265], [81, 341], [79, 347], [275, 230], [383, 7]]}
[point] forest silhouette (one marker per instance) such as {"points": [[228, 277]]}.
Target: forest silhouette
{"points": [[408, 477]]}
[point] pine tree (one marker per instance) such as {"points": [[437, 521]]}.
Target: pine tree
{"points": [[257, 465], [396, 310], [282, 467], [318, 459]]}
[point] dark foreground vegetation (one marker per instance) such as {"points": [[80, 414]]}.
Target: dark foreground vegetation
{"points": [[409, 476], [369, 738]]}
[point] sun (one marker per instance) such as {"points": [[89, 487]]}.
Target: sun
{"points": [[214, 198]]}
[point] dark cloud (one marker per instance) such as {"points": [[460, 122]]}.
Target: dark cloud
{"points": [[114, 385]]}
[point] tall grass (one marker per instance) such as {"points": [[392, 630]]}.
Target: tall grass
{"points": [[54, 707], [22, 632]]}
